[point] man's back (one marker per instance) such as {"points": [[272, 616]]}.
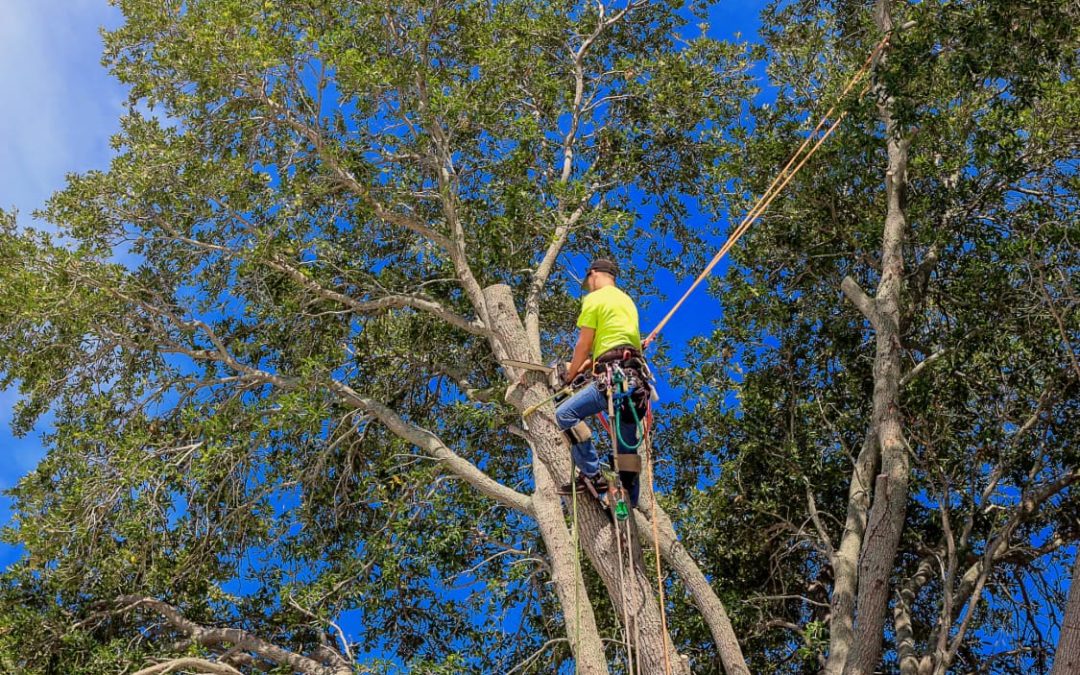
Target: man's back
{"points": [[614, 317]]}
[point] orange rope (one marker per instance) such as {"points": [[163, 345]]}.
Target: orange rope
{"points": [[779, 182]]}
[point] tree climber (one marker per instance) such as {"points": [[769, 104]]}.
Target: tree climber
{"points": [[610, 335]]}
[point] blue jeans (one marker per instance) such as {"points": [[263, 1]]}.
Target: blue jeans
{"points": [[583, 405]]}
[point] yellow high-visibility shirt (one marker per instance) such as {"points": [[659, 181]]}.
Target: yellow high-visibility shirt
{"points": [[613, 315]]}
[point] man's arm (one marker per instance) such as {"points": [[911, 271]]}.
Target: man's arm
{"points": [[582, 350]]}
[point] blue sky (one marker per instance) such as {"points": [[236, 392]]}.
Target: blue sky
{"points": [[60, 107]]}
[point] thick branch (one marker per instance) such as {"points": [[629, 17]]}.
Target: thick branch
{"points": [[861, 300], [211, 637], [430, 443], [706, 600], [410, 432], [846, 557], [189, 663]]}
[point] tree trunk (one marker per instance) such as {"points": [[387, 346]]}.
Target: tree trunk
{"points": [[581, 628], [597, 534], [886, 520], [845, 561], [1067, 656], [857, 629], [705, 599]]}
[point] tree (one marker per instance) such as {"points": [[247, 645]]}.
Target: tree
{"points": [[1067, 656], [935, 471], [345, 222], [294, 401]]}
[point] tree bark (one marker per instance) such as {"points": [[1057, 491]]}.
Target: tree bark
{"points": [[597, 533], [580, 620], [858, 621], [241, 639], [846, 560], [705, 599], [1067, 656], [911, 663], [886, 519]]}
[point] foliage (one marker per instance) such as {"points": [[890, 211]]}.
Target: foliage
{"points": [[300, 228], [989, 95], [282, 206]]}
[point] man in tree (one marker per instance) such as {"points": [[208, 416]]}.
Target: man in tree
{"points": [[610, 340]]}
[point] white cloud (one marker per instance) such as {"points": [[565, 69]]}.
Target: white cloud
{"points": [[59, 108], [60, 105]]}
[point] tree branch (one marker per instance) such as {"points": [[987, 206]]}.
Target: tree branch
{"points": [[429, 442], [567, 223], [395, 301], [346, 177], [914, 372], [861, 300], [210, 637], [189, 663]]}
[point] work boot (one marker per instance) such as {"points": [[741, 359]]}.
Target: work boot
{"points": [[592, 485]]}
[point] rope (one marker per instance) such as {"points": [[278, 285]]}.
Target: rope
{"points": [[779, 182], [617, 426], [618, 543], [656, 546], [622, 590], [630, 564], [630, 575], [579, 580]]}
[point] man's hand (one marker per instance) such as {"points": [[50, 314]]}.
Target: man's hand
{"points": [[567, 374]]}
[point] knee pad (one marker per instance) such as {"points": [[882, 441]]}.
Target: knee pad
{"points": [[579, 433]]}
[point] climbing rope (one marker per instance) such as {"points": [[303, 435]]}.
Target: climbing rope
{"points": [[656, 539], [578, 580], [622, 592], [613, 496], [794, 164], [798, 159]]}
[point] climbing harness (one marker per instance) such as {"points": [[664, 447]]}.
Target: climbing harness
{"points": [[798, 159]]}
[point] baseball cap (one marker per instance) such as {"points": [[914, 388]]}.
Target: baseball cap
{"points": [[604, 265]]}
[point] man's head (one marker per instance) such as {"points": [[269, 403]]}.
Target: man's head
{"points": [[602, 272]]}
